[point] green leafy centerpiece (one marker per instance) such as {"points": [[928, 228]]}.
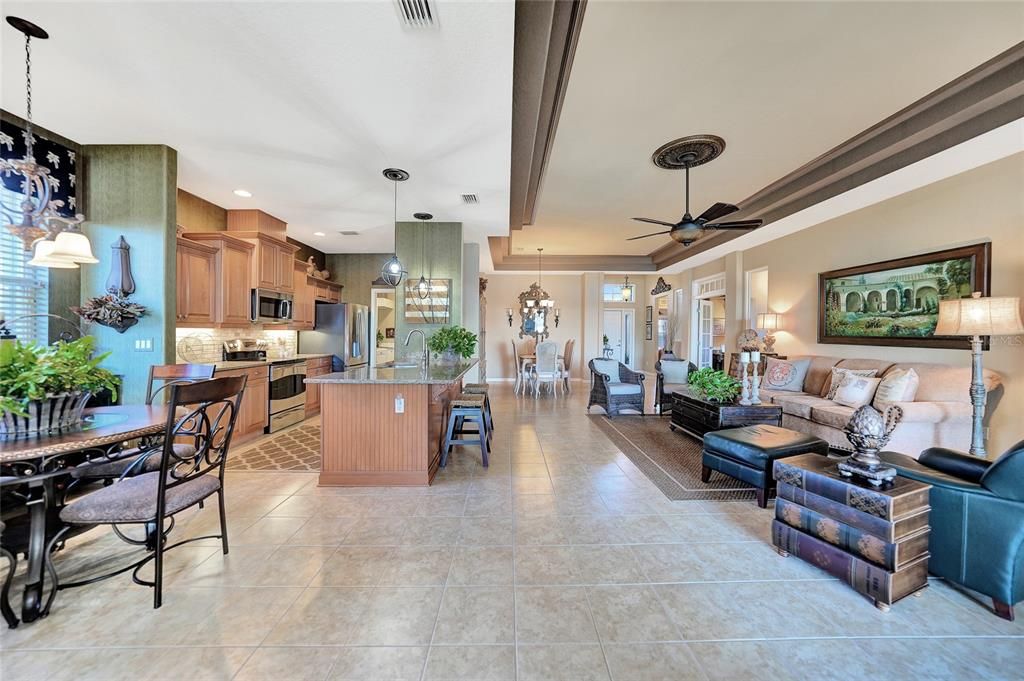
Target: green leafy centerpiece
{"points": [[451, 343], [46, 387], [716, 386]]}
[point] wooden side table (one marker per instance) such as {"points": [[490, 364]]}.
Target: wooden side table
{"points": [[875, 540]]}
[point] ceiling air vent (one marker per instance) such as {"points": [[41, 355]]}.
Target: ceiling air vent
{"points": [[470, 198], [348, 232], [415, 13]]}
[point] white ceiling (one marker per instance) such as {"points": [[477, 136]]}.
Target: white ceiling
{"points": [[781, 82], [301, 103]]}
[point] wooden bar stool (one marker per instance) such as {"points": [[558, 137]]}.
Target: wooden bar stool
{"points": [[466, 408], [481, 389]]}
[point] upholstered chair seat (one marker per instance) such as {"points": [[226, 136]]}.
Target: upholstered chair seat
{"points": [[117, 467], [133, 500]]}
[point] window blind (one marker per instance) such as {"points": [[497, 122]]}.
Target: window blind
{"points": [[23, 289]]}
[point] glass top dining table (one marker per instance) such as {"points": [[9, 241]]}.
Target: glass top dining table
{"points": [[33, 464]]}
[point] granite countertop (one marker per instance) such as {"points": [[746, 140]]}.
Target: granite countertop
{"points": [[245, 364], [435, 374]]}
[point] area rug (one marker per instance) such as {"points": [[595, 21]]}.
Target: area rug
{"points": [[295, 449], [671, 460]]}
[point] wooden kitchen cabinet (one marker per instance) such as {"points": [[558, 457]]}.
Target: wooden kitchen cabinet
{"points": [[232, 263], [253, 414], [326, 291], [303, 312], [196, 284], [273, 261], [315, 367]]}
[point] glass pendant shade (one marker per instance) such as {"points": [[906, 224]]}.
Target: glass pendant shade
{"points": [[73, 246], [41, 258]]}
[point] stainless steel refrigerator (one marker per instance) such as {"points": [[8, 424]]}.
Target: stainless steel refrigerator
{"points": [[343, 330]]}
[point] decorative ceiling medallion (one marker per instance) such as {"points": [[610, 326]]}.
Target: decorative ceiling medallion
{"points": [[692, 151], [396, 174]]}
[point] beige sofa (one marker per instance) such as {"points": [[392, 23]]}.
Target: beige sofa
{"points": [[939, 416]]}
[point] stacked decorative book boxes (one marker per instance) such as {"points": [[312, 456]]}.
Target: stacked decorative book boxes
{"points": [[874, 539]]}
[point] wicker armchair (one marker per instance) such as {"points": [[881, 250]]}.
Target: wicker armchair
{"points": [[615, 387], [675, 380]]}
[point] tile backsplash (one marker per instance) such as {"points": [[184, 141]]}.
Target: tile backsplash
{"points": [[204, 345]]}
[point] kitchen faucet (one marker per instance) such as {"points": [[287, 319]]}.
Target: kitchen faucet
{"points": [[426, 353]]}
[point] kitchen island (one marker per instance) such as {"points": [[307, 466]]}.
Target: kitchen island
{"points": [[384, 425]]}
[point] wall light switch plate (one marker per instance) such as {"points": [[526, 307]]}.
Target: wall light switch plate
{"points": [[143, 345], [399, 404]]}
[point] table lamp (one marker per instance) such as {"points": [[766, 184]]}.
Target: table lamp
{"points": [[977, 317], [768, 322]]}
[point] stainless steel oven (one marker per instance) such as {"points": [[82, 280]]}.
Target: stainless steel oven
{"points": [[287, 394], [270, 307]]}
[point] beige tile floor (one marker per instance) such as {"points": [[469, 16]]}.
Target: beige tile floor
{"points": [[560, 561]]}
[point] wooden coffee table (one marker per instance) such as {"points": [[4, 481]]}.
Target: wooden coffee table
{"points": [[696, 416]]}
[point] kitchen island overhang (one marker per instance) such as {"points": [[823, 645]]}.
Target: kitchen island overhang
{"points": [[384, 425]]}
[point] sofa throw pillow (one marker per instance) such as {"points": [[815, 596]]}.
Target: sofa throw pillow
{"points": [[839, 374], [675, 371], [785, 375], [608, 367], [899, 385], [856, 391]]}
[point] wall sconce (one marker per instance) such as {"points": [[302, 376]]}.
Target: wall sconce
{"points": [[508, 313], [558, 314]]}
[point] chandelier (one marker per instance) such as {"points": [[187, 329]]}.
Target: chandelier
{"points": [[535, 305], [57, 240], [392, 271], [423, 286]]}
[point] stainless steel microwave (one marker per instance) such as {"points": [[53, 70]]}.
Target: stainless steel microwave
{"points": [[271, 307]]}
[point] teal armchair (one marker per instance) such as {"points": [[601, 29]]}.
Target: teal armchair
{"points": [[977, 520]]}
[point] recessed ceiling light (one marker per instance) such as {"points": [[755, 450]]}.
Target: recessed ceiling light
{"points": [[319, 234], [245, 194]]}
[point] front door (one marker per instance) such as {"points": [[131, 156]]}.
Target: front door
{"points": [[618, 327]]}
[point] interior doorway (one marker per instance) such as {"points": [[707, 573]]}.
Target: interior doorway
{"points": [[619, 331], [382, 322], [708, 335]]}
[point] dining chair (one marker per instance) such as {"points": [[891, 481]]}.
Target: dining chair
{"points": [[203, 413], [147, 459], [522, 366], [546, 368], [567, 363], [5, 605]]}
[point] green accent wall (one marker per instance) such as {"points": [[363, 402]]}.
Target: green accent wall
{"points": [[356, 272], [130, 190], [433, 249]]}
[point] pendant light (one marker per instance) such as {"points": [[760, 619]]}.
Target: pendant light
{"points": [[423, 286], [627, 292], [57, 239], [392, 271]]}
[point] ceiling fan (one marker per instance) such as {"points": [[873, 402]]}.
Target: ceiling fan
{"points": [[686, 153]]}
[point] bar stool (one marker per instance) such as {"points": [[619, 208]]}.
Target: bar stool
{"points": [[466, 408], [481, 389]]}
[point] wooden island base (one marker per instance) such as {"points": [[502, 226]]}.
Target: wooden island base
{"points": [[363, 442]]}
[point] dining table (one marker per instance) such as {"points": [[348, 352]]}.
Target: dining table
{"points": [[36, 466]]}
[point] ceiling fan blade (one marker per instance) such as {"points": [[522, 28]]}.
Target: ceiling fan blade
{"points": [[655, 222], [719, 210], [634, 238], [739, 224]]}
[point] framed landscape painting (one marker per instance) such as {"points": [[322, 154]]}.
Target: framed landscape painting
{"points": [[896, 302]]}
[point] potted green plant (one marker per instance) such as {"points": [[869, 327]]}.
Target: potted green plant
{"points": [[451, 343], [716, 386], [46, 387]]}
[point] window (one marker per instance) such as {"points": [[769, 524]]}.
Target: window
{"points": [[612, 293], [23, 289]]}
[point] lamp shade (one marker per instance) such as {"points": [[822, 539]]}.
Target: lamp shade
{"points": [[74, 247], [977, 316], [769, 321], [41, 257]]}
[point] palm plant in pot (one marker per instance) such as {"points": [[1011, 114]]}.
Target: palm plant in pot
{"points": [[46, 387], [451, 343]]}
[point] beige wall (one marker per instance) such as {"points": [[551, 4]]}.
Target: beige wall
{"points": [[503, 292], [984, 204]]}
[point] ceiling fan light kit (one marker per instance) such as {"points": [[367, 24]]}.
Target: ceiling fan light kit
{"points": [[685, 153]]}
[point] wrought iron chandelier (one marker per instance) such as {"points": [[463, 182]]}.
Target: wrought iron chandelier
{"points": [[57, 240], [535, 300], [392, 271]]}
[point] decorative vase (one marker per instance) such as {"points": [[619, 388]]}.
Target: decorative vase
{"points": [[56, 412], [449, 356]]}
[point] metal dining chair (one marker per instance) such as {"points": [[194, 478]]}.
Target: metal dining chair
{"points": [[5, 605], [203, 413], [146, 459]]}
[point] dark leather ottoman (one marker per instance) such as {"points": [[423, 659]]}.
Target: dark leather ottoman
{"points": [[748, 453]]}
